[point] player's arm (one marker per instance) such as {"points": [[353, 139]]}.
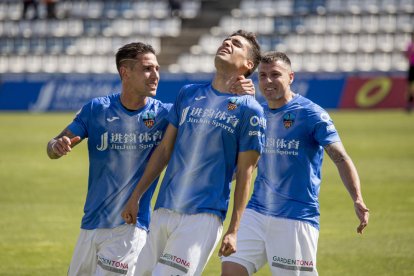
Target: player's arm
{"points": [[246, 163], [350, 178], [156, 164], [62, 144]]}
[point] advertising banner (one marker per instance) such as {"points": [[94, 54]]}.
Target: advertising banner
{"points": [[374, 92], [45, 92]]}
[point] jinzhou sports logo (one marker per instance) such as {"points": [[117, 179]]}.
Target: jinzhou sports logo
{"points": [[149, 119], [288, 120]]}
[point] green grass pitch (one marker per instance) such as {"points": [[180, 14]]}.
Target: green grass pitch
{"points": [[41, 200]]}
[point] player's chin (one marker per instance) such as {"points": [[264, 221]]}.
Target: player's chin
{"points": [[267, 97], [152, 93]]}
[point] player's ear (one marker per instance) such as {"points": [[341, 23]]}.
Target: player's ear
{"points": [[291, 77], [249, 64], [123, 72]]}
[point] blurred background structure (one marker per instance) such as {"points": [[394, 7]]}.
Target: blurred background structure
{"points": [[321, 36], [318, 35], [347, 54]]}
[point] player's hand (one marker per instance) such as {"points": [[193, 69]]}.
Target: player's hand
{"points": [[243, 86], [228, 244], [130, 211], [362, 213], [63, 145]]}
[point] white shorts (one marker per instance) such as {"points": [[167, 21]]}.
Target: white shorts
{"points": [[289, 246], [107, 251], [179, 244]]}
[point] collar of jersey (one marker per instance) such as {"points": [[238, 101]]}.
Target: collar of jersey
{"points": [[218, 93], [133, 112], [274, 111]]}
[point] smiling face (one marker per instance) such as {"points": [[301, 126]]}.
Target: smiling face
{"points": [[234, 51], [275, 78], [141, 75]]}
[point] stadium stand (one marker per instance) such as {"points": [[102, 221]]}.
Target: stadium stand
{"points": [[319, 35], [85, 33]]}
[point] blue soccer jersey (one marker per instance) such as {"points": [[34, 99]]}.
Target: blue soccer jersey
{"points": [[213, 128], [120, 143], [289, 170]]}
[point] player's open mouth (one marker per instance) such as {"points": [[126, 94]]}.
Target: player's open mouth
{"points": [[224, 50]]}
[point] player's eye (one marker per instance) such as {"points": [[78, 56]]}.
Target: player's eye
{"points": [[237, 44]]}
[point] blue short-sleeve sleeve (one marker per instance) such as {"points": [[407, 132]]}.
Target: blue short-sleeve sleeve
{"points": [[80, 122], [324, 131], [175, 110], [252, 128]]}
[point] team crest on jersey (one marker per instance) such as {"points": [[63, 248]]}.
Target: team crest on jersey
{"points": [[288, 120], [233, 103], [149, 119]]}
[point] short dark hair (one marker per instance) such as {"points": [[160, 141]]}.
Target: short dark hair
{"points": [[255, 48], [274, 56], [131, 51]]}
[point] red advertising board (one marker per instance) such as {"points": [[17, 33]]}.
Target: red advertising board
{"points": [[374, 92]]}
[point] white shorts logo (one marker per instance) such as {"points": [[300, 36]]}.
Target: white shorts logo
{"points": [[174, 261], [113, 266]]}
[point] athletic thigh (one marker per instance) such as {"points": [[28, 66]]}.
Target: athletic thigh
{"points": [[251, 252], [118, 249], [190, 245], [83, 261], [156, 241], [291, 247]]}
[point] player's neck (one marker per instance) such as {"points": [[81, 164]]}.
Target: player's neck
{"points": [[132, 102], [282, 101], [222, 82]]}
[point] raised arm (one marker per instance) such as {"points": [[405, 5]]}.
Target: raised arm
{"points": [[62, 144], [156, 164], [350, 178], [246, 163]]}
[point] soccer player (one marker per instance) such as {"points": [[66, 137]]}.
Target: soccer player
{"points": [[210, 131], [123, 130], [281, 223], [409, 53]]}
